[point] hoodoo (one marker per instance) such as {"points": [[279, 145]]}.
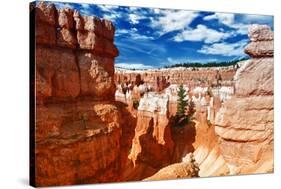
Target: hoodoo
{"points": [[245, 122]]}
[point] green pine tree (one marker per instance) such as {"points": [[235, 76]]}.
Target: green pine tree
{"points": [[182, 102], [181, 118]]}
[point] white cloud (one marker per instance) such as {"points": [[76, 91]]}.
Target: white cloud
{"points": [[60, 5], [201, 33], [225, 49], [110, 12], [134, 18], [107, 8], [138, 36], [241, 28], [172, 20], [121, 32], [225, 18], [133, 66], [228, 19], [113, 16], [133, 34]]}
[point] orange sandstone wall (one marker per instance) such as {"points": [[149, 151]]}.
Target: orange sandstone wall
{"points": [[173, 76], [78, 125]]}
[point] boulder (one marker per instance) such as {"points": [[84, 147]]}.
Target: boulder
{"points": [[260, 49], [176, 171], [237, 120], [248, 82], [260, 33]]}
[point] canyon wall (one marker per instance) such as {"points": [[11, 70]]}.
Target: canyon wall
{"points": [[244, 124], [78, 124], [159, 79]]}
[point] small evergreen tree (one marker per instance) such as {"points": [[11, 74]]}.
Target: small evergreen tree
{"points": [[180, 118], [182, 102]]}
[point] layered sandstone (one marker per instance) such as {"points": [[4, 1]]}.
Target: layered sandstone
{"points": [[245, 122], [78, 125], [159, 79]]}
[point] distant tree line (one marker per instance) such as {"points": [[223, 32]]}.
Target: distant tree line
{"points": [[208, 64]]}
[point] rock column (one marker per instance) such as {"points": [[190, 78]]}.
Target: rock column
{"points": [[245, 122]]}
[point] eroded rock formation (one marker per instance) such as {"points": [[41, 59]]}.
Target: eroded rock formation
{"points": [[245, 122], [159, 79], [152, 144], [78, 125]]}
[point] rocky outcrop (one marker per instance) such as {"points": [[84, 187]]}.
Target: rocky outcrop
{"points": [[187, 169], [152, 143], [207, 152], [69, 140], [261, 45], [74, 55], [245, 122], [79, 127]]}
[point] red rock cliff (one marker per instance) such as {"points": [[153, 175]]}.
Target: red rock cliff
{"points": [[78, 125]]}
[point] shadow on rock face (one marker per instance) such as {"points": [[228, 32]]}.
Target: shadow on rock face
{"points": [[183, 137]]}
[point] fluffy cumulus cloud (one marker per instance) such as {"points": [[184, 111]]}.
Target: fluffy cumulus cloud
{"points": [[238, 22], [225, 18], [228, 19], [107, 8], [201, 33], [135, 18], [225, 49], [172, 20], [133, 66]]}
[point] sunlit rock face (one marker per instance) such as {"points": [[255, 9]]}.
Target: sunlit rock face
{"points": [[187, 169], [245, 122], [79, 135]]}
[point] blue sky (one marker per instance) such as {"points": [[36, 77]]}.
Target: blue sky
{"points": [[152, 38]]}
